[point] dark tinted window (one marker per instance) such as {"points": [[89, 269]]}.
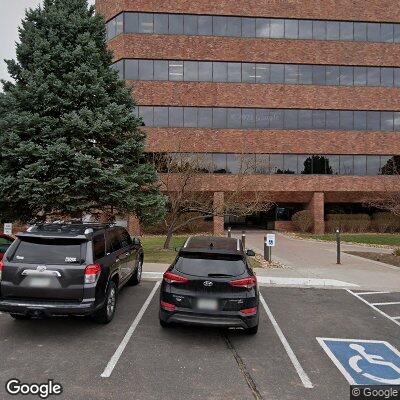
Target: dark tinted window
{"points": [[124, 237], [203, 265], [112, 241], [50, 251], [99, 246]]}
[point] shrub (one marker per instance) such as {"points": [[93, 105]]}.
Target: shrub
{"points": [[348, 222], [396, 252], [385, 222], [303, 220]]}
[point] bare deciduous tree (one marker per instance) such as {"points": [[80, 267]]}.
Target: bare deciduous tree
{"points": [[180, 180]]}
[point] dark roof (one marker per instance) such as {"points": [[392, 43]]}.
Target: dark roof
{"points": [[213, 244]]}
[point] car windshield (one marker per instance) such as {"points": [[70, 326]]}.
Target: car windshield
{"points": [[50, 251], [210, 265]]}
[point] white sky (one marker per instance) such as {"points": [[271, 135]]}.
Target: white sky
{"points": [[11, 13]]}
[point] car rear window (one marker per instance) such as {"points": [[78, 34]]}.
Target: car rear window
{"points": [[204, 265], [50, 251], [4, 244]]}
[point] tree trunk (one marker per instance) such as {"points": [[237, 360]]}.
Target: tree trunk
{"points": [[167, 242]]}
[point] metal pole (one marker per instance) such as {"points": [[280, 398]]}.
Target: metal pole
{"points": [[244, 240], [229, 232], [265, 249], [270, 254], [338, 246]]}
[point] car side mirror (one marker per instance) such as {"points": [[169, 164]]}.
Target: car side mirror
{"points": [[177, 249], [250, 253], [136, 241]]}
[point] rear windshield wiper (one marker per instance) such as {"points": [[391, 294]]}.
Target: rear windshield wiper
{"points": [[219, 275]]}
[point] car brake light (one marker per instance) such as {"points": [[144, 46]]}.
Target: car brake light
{"points": [[169, 277], [92, 273], [167, 306], [249, 311], [1, 269], [248, 283]]}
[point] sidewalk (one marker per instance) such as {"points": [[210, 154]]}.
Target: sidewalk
{"points": [[317, 260]]}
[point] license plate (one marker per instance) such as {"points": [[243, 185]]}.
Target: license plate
{"points": [[40, 282], [207, 304]]}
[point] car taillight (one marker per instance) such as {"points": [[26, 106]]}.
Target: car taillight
{"points": [[1, 269], [167, 306], [248, 283], [249, 311], [92, 272], [169, 277]]}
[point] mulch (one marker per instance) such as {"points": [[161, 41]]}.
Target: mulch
{"points": [[381, 257]]}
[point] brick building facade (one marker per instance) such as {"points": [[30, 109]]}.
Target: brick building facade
{"points": [[292, 82]]}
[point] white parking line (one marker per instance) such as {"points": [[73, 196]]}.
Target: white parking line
{"points": [[114, 359], [392, 303], [374, 307], [365, 293], [299, 369]]}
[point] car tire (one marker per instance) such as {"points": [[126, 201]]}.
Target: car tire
{"points": [[106, 313], [253, 330], [19, 317], [137, 275], [164, 324]]}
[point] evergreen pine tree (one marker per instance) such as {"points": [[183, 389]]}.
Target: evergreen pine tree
{"points": [[69, 140]]}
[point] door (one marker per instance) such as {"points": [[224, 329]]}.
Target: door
{"points": [[130, 251]]}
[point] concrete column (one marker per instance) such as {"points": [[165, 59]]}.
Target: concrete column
{"points": [[218, 220], [316, 207], [134, 225]]}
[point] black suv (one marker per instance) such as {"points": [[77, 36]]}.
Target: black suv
{"points": [[68, 269], [211, 283]]}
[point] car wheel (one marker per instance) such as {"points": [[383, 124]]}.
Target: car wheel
{"points": [[19, 317], [137, 275], [164, 324], [106, 313], [252, 331]]}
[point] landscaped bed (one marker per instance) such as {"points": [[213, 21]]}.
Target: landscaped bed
{"points": [[382, 257], [381, 239]]}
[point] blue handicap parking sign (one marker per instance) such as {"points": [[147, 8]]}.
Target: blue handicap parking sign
{"points": [[364, 362]]}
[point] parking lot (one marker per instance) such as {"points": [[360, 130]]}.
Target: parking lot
{"points": [[140, 360]]}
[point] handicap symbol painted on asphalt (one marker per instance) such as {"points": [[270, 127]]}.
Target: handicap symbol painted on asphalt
{"points": [[364, 362]]}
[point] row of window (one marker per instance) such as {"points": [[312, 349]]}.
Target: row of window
{"points": [[220, 71], [360, 165], [208, 25], [261, 118]]}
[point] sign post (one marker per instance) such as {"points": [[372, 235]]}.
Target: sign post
{"points": [[338, 261], [8, 229], [269, 242]]}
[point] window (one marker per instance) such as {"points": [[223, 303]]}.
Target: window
{"points": [[276, 163], [305, 29], [373, 120], [262, 73], [360, 76], [373, 76], [234, 27], [277, 73], [248, 117], [346, 31], [333, 165], [262, 27], [346, 120], [305, 74], [290, 164], [360, 165], [319, 30], [205, 25], [191, 71], [387, 77], [131, 23], [277, 28], [119, 68], [276, 119], [205, 117], [360, 31], [147, 115], [386, 121], [146, 71], [205, 71], [160, 23], [318, 118], [146, 23], [332, 120], [161, 116], [219, 163], [124, 237], [220, 72], [176, 24], [190, 117], [291, 29], [360, 120], [319, 75], [291, 74], [346, 165], [262, 119], [132, 70], [176, 116], [112, 241], [234, 164], [373, 32], [332, 74], [219, 118], [333, 30], [305, 119], [248, 27], [190, 25], [248, 72], [234, 72], [346, 76], [290, 119], [160, 70], [262, 164], [373, 165], [387, 33], [234, 118], [219, 26], [176, 71]]}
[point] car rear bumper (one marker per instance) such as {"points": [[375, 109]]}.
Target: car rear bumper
{"points": [[48, 308], [220, 320]]}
